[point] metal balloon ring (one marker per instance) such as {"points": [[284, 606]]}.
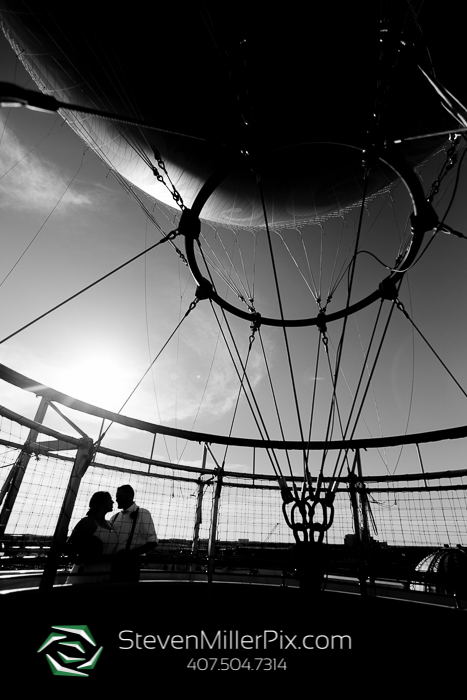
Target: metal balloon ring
{"points": [[423, 219]]}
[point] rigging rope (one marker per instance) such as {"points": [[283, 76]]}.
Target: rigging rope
{"points": [[254, 328], [189, 310], [168, 237], [228, 279], [333, 486], [149, 341], [279, 299], [401, 308], [275, 402], [315, 383], [344, 327], [41, 226], [224, 274], [127, 186], [384, 459], [276, 466]]}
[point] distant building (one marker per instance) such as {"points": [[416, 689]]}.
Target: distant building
{"points": [[351, 541]]}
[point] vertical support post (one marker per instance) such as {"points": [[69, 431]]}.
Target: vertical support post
{"points": [[7, 482], [83, 459], [365, 533], [354, 503], [365, 530], [199, 507], [356, 521], [152, 451], [213, 529], [421, 463], [16, 475]]}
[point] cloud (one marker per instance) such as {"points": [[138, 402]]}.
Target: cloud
{"points": [[29, 181], [199, 378]]}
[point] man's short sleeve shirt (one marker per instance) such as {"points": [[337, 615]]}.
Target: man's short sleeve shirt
{"points": [[144, 531]]}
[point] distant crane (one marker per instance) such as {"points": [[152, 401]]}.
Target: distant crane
{"points": [[275, 526]]}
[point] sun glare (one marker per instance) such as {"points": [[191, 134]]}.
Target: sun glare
{"points": [[95, 378]]}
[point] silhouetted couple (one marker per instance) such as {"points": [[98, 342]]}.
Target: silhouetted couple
{"points": [[110, 550]]}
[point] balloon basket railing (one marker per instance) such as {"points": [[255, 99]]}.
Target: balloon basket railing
{"points": [[214, 572]]}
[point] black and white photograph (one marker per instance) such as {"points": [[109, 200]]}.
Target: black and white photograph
{"points": [[233, 342]]}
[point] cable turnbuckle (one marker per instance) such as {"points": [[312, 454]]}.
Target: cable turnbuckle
{"points": [[401, 307], [192, 305], [173, 234]]}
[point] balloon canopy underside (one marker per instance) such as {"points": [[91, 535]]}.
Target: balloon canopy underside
{"points": [[301, 80]]}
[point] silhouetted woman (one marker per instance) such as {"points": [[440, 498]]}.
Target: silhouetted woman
{"points": [[92, 543]]}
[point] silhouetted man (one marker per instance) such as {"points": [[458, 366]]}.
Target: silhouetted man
{"points": [[136, 536]]}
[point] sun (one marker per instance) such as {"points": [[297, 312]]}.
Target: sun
{"points": [[96, 377]]}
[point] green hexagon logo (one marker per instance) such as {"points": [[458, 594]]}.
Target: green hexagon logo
{"points": [[71, 646]]}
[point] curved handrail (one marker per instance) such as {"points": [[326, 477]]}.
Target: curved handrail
{"points": [[20, 380]]}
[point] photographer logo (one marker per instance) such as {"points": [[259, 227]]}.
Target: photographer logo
{"points": [[71, 650]]}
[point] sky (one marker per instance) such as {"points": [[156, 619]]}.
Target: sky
{"points": [[66, 221]]}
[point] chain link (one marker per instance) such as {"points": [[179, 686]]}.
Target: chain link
{"points": [[451, 160], [255, 326], [173, 234], [170, 237], [176, 196], [321, 326], [192, 306], [402, 308]]}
